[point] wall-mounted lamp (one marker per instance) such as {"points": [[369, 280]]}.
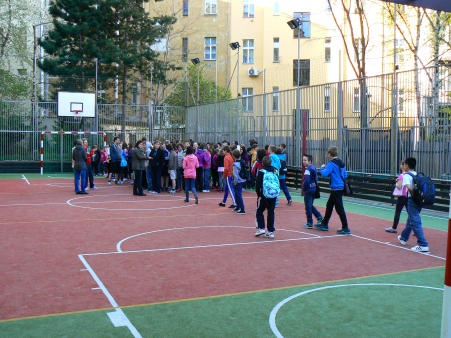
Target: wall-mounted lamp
{"points": [[195, 61]]}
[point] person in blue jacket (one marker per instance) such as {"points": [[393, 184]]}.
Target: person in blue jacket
{"points": [[308, 188], [336, 172]]}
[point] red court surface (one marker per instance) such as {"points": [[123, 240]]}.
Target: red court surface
{"points": [[156, 248]]}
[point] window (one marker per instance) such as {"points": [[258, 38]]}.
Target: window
{"points": [[304, 26], [356, 48], [275, 98], [327, 43], [248, 51], [327, 99], [185, 7], [134, 94], [247, 99], [184, 49], [356, 101], [401, 101], [210, 48], [276, 7], [304, 79], [211, 6], [248, 10], [276, 53]]}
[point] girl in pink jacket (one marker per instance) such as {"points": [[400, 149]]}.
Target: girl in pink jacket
{"points": [[190, 163]]}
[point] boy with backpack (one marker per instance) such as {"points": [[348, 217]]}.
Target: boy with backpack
{"points": [[267, 189], [414, 205], [239, 176], [309, 188]]}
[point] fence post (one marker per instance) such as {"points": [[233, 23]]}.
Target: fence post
{"points": [[394, 126], [340, 119]]}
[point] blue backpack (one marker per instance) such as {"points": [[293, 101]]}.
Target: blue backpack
{"points": [[423, 189], [271, 186]]}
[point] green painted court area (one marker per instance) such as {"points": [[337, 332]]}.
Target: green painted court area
{"points": [[114, 265]]}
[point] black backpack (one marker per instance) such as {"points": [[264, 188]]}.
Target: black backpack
{"points": [[244, 170], [423, 189]]}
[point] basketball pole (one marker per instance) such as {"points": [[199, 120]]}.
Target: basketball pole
{"points": [[96, 117], [446, 312]]}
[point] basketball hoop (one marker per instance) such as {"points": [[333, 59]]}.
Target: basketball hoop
{"points": [[77, 112]]}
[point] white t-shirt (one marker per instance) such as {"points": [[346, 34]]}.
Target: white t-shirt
{"points": [[408, 180]]}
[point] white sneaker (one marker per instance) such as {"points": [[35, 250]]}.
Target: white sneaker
{"points": [[109, 183], [403, 242], [269, 235], [87, 188], [418, 248], [260, 232], [95, 188]]}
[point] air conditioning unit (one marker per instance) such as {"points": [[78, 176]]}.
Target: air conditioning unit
{"points": [[252, 72]]}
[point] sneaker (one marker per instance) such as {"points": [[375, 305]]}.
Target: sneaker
{"points": [[419, 248], [197, 199], [221, 204], [233, 206], [206, 190], [308, 226], [131, 182], [95, 188], [87, 188], [236, 209], [344, 231], [153, 192], [269, 235], [289, 202], [260, 232], [403, 242], [109, 183], [319, 221], [322, 227], [391, 230], [173, 191], [186, 201], [241, 212]]}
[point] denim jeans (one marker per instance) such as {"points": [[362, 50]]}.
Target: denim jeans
{"points": [[179, 178], [283, 187], [190, 185], [80, 175], [238, 188], [207, 179], [89, 175], [414, 224], [149, 177], [309, 208]]}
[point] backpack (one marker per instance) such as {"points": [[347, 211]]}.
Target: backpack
{"points": [[283, 168], [244, 170], [423, 189], [271, 187]]}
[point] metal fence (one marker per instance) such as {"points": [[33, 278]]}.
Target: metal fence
{"points": [[375, 122]]}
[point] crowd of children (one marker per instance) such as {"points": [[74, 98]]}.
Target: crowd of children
{"points": [[231, 168]]}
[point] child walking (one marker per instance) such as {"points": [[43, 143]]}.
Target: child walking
{"points": [[190, 164], [401, 202], [238, 183], [309, 188], [413, 210], [264, 203], [336, 170]]}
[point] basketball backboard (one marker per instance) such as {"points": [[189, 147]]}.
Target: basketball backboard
{"points": [[76, 104]]}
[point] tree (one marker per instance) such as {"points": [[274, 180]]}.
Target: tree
{"points": [[185, 92], [16, 20], [119, 33]]}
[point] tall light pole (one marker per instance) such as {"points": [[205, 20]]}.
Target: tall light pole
{"points": [[233, 46], [296, 24], [196, 62]]}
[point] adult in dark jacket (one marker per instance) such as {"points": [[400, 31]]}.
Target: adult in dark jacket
{"points": [[138, 165], [156, 163], [80, 158], [201, 157]]}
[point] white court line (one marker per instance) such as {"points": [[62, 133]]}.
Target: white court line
{"points": [[29, 204], [125, 321], [397, 246], [273, 314], [24, 178]]}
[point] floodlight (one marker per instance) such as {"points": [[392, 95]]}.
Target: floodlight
{"points": [[195, 61], [294, 23], [234, 45]]}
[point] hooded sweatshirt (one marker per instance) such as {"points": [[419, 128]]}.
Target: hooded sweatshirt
{"points": [[336, 172], [200, 154], [190, 163]]}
